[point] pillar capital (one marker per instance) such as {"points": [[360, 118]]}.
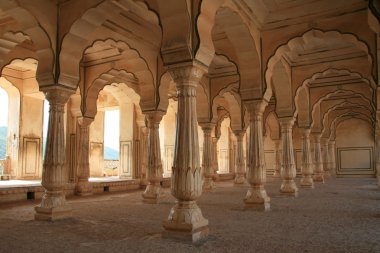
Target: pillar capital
{"points": [[85, 121], [305, 132], [207, 127], [316, 137], [154, 117], [256, 107], [188, 74], [325, 141], [287, 122], [239, 134], [57, 95]]}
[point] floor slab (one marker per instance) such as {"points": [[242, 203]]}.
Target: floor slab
{"points": [[341, 215]]}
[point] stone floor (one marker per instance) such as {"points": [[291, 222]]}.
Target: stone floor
{"points": [[342, 215]]}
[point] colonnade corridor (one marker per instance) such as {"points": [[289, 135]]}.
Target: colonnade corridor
{"points": [[339, 216], [177, 125]]}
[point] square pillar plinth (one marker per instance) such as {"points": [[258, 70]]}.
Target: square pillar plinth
{"points": [[191, 233], [52, 214], [186, 223]]}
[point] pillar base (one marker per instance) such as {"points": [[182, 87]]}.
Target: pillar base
{"points": [[83, 188], [186, 222], [326, 174], [276, 174], [208, 184], [307, 182], [53, 207], [319, 178], [52, 214], [288, 187], [257, 199], [239, 179], [152, 193]]}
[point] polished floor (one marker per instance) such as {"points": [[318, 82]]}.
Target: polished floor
{"points": [[342, 215]]}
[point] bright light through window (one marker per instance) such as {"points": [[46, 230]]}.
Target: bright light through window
{"points": [[3, 124], [111, 135], [3, 108]]}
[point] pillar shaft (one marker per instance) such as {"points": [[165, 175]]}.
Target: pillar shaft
{"points": [[54, 175], [377, 139], [144, 154], [256, 175], [185, 219], [332, 157], [288, 172], [240, 164], [307, 164], [83, 186], [277, 160], [215, 156], [207, 161], [154, 169], [318, 169], [326, 158]]}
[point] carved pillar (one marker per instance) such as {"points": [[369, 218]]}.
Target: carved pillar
{"points": [[326, 158], [185, 220], [318, 169], [377, 139], [277, 161], [215, 156], [154, 172], [54, 175], [307, 164], [208, 168], [240, 164], [83, 187], [288, 172], [332, 157], [256, 175], [144, 155]]}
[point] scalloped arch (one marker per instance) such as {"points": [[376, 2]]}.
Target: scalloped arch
{"points": [[90, 28], [27, 27]]}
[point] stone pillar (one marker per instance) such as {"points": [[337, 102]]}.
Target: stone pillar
{"points": [[208, 168], [54, 175], [277, 160], [377, 140], [215, 156], [326, 158], [256, 175], [154, 172], [307, 164], [332, 157], [318, 169], [83, 187], [240, 164], [288, 172], [144, 155], [185, 220]]}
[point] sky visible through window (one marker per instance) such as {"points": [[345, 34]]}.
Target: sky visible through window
{"points": [[111, 134], [3, 107], [3, 124]]}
